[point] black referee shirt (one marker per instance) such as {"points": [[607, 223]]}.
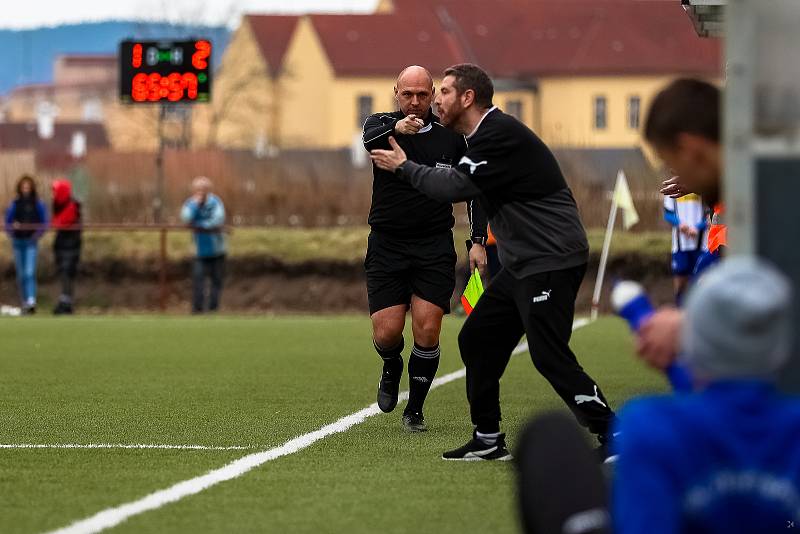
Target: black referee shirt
{"points": [[398, 209], [531, 209]]}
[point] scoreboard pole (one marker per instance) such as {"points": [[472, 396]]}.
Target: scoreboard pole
{"points": [[158, 201]]}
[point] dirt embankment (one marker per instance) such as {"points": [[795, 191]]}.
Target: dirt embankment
{"points": [[262, 284]]}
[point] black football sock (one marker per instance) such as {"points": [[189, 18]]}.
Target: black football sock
{"points": [[392, 357], [422, 366]]}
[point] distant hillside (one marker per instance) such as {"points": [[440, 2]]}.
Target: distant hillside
{"points": [[28, 54]]}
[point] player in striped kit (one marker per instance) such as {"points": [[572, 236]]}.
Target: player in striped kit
{"points": [[688, 219]]}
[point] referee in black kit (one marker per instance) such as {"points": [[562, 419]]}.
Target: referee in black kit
{"points": [[411, 260], [543, 250]]}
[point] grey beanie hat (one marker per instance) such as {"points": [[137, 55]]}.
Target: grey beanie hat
{"points": [[738, 322]]}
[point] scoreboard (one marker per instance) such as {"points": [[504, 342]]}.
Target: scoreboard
{"points": [[165, 71]]}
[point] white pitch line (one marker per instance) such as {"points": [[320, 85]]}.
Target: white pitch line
{"points": [[111, 517], [124, 446]]}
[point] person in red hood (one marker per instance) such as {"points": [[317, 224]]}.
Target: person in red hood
{"points": [[67, 244]]}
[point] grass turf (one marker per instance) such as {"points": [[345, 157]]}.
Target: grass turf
{"points": [[234, 381]]}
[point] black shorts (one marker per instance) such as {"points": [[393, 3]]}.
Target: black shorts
{"points": [[398, 268]]}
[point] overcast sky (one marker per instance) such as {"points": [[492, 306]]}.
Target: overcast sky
{"points": [[34, 13]]}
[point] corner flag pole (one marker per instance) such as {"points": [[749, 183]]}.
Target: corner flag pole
{"points": [[601, 270]]}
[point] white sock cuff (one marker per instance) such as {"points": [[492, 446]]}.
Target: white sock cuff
{"points": [[489, 439], [426, 354]]}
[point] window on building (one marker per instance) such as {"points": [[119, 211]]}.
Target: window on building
{"points": [[514, 108], [92, 110], [600, 110], [634, 107], [364, 108]]}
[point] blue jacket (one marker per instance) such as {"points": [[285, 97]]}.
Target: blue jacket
{"points": [[724, 460], [209, 216], [30, 212]]}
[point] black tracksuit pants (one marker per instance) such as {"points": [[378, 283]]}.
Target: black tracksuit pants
{"points": [[543, 307]]}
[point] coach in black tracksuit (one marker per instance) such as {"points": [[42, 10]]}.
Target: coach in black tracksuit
{"points": [[543, 250], [410, 261]]}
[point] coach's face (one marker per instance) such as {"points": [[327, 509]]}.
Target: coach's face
{"points": [[449, 104], [414, 93]]}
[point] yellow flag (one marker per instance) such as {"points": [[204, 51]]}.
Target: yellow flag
{"points": [[624, 200], [473, 291]]}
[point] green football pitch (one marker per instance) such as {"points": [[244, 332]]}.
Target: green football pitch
{"points": [[239, 386]]}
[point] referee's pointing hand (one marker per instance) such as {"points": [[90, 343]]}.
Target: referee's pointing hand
{"points": [[389, 160], [409, 125]]}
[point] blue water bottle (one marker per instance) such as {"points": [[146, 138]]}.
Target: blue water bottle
{"points": [[632, 304]]}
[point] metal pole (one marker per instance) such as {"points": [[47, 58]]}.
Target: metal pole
{"points": [[601, 269], [762, 157], [162, 275]]}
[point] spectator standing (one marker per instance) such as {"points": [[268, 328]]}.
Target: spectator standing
{"points": [[67, 244], [25, 222], [205, 213]]}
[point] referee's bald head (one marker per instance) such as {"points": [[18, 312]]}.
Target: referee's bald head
{"points": [[414, 75], [414, 91]]}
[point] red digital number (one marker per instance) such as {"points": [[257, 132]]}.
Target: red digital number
{"points": [[154, 87], [203, 51], [137, 56], [139, 87], [189, 81]]}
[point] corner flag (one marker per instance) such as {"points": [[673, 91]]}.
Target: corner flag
{"points": [[624, 200], [621, 198], [472, 292]]}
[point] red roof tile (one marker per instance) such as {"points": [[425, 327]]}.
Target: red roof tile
{"points": [[359, 45], [273, 33], [511, 38], [584, 37], [103, 60]]}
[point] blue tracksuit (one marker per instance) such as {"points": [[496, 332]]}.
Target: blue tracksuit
{"points": [[724, 460], [210, 215]]}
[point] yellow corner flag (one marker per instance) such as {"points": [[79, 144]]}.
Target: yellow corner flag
{"points": [[624, 200], [472, 292]]}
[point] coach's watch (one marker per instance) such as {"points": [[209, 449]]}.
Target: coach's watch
{"points": [[479, 240]]}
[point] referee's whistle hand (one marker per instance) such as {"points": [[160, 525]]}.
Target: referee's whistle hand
{"points": [[389, 160]]}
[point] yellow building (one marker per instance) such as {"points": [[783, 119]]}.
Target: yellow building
{"points": [[579, 73]]}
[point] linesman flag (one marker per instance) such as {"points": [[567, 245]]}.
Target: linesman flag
{"points": [[624, 200], [473, 291]]}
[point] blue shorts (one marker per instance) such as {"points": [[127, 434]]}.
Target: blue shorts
{"points": [[706, 260], [683, 262]]}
